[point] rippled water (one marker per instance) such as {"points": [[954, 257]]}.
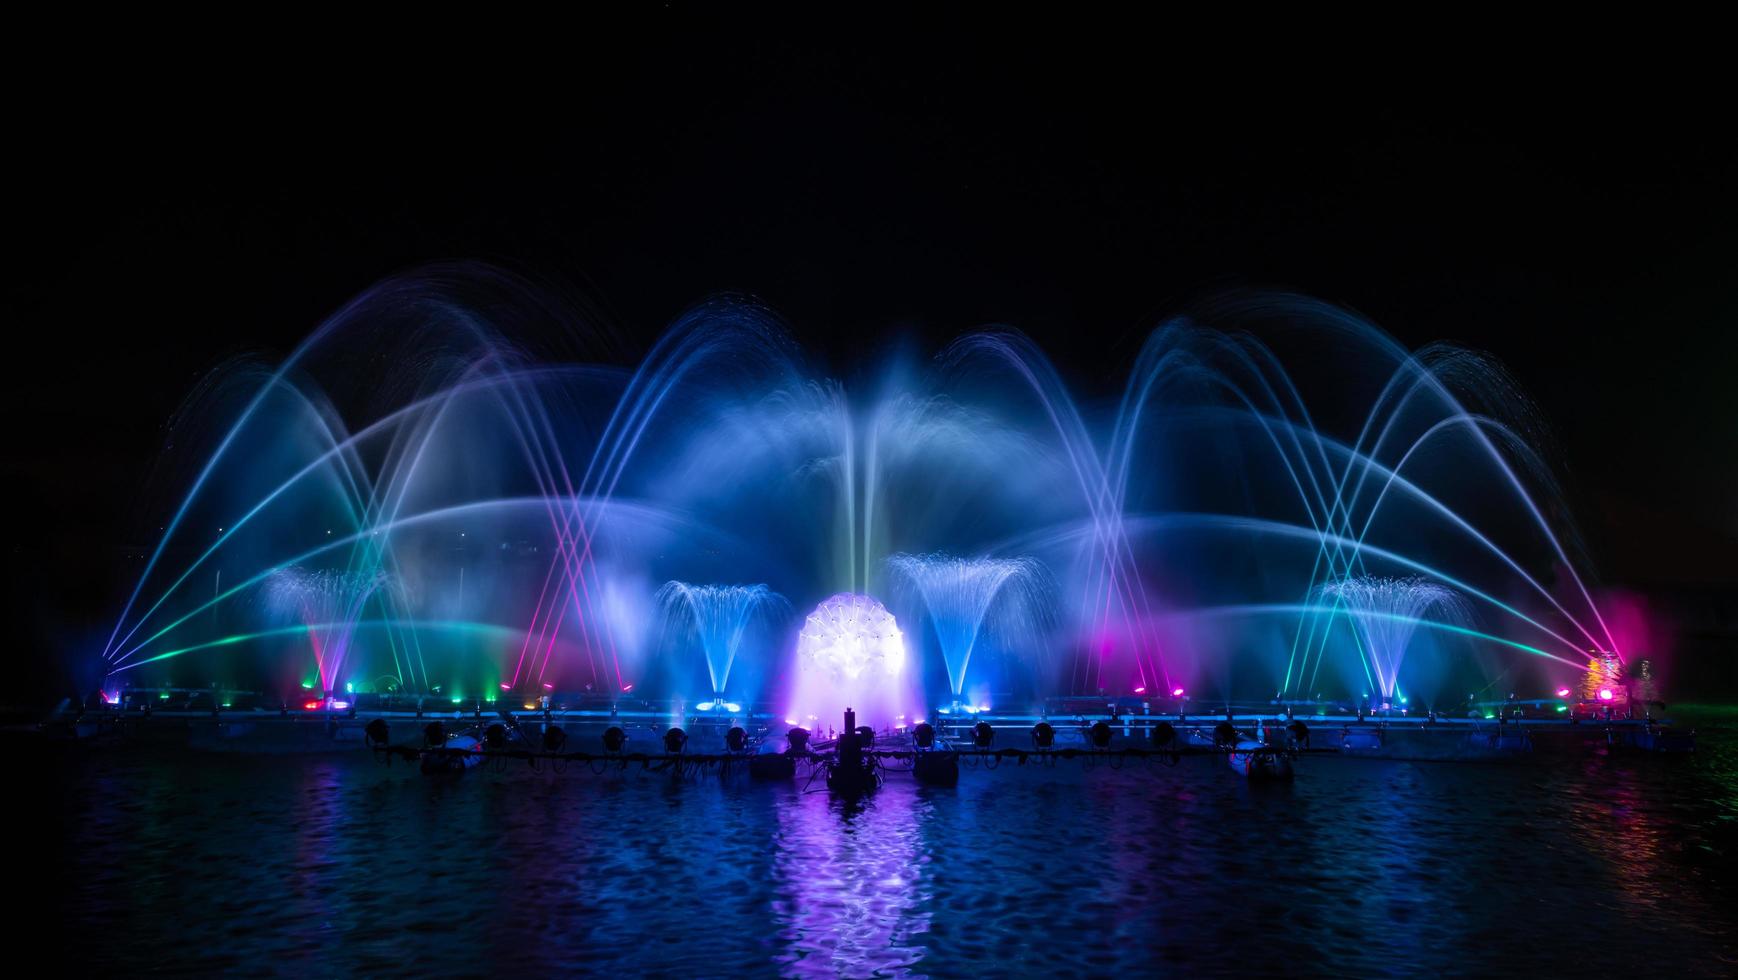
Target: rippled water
{"points": [[338, 866]]}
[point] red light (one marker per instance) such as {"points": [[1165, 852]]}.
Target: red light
{"points": [[1605, 694], [312, 706]]}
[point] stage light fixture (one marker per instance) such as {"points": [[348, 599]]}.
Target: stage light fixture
{"points": [[1164, 735], [1043, 736], [1100, 735], [674, 740], [613, 739], [923, 735], [554, 739]]}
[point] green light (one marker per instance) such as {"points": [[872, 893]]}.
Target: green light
{"points": [[457, 700], [307, 685], [1489, 716], [226, 704], [1562, 707], [164, 696], [349, 688]]}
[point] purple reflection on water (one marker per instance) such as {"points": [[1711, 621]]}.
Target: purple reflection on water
{"points": [[852, 880]]}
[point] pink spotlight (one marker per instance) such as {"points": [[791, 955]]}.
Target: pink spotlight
{"points": [[1605, 694], [549, 687], [1176, 692], [627, 687], [1562, 692], [506, 687], [1140, 690]]}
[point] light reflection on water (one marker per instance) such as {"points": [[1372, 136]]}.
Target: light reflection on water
{"points": [[206, 864]]}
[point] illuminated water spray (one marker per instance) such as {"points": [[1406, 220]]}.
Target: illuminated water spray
{"points": [[717, 615], [1387, 611], [959, 593], [330, 605], [852, 636], [488, 520], [851, 653]]}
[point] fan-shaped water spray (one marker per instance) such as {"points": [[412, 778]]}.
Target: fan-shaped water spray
{"points": [[329, 605], [959, 593], [717, 616], [1388, 611]]}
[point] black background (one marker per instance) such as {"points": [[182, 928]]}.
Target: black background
{"points": [[1575, 220]]}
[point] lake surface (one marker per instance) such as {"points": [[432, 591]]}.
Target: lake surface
{"points": [[176, 862]]}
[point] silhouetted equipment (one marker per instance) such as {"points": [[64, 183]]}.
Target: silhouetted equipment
{"points": [[1224, 734], [434, 735], [736, 739], [923, 735], [936, 768], [554, 739], [377, 733], [674, 740], [1100, 735], [781, 765], [852, 772], [1043, 736], [983, 735], [1164, 735], [613, 739]]}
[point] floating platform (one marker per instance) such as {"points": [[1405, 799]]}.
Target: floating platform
{"points": [[260, 730]]}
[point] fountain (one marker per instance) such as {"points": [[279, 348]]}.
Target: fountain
{"points": [[1387, 612], [466, 522], [717, 615], [851, 653], [958, 593]]}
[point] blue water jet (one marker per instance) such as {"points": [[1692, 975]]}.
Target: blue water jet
{"points": [[958, 594], [717, 616]]}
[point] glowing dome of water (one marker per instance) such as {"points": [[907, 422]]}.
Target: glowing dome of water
{"points": [[452, 490], [852, 636], [851, 654]]}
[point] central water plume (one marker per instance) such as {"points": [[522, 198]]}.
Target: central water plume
{"points": [[329, 604], [1388, 611], [718, 615], [958, 594]]}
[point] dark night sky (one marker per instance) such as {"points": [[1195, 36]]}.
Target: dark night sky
{"points": [[1583, 231]]}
